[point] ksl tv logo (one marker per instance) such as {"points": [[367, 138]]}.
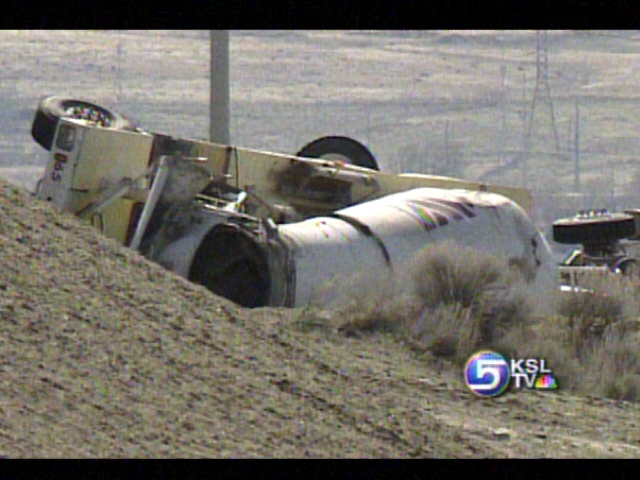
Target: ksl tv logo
{"points": [[488, 374]]}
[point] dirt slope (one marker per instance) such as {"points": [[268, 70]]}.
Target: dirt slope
{"points": [[103, 354]]}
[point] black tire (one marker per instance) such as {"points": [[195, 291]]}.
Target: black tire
{"points": [[628, 267], [344, 149], [51, 109], [603, 229]]}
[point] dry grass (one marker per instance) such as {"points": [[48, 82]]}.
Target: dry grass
{"points": [[588, 313], [603, 336], [465, 301], [613, 367], [462, 301], [468, 300], [371, 306], [447, 274]]}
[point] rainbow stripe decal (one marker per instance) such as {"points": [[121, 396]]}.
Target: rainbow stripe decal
{"points": [[433, 213]]}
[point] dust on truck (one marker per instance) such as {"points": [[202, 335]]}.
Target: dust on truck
{"points": [[263, 228]]}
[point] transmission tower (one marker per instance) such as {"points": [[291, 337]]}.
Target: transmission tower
{"points": [[542, 83]]}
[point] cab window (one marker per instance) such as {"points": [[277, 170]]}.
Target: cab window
{"points": [[66, 138]]}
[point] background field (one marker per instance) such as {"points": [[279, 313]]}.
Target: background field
{"points": [[448, 102]]}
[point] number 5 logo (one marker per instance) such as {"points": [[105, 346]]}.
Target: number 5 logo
{"points": [[487, 373], [492, 368]]}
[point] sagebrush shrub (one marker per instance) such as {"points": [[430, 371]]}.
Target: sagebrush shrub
{"points": [[469, 300], [446, 274], [601, 301]]}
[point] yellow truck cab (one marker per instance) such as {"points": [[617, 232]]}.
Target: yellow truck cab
{"points": [[85, 161]]}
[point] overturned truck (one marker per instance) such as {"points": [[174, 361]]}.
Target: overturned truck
{"points": [[600, 234], [266, 229]]}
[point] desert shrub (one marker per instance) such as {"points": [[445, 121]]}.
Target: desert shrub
{"points": [[462, 299], [314, 318], [446, 274], [469, 300], [446, 331], [625, 387], [377, 312], [357, 322], [364, 303], [613, 364], [545, 337], [603, 301], [602, 334]]}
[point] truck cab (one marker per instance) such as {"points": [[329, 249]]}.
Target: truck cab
{"points": [[87, 163]]}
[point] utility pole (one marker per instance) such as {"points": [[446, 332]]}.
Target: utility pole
{"points": [[523, 118], [503, 104], [219, 83], [576, 152], [542, 82], [119, 59]]}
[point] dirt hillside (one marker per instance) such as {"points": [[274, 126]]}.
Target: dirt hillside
{"points": [[103, 354]]}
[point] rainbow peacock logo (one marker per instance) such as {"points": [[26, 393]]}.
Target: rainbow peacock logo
{"points": [[546, 382]]}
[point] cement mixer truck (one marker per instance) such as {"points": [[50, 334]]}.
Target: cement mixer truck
{"points": [[269, 229]]}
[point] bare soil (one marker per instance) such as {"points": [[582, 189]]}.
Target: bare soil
{"points": [[104, 354]]}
